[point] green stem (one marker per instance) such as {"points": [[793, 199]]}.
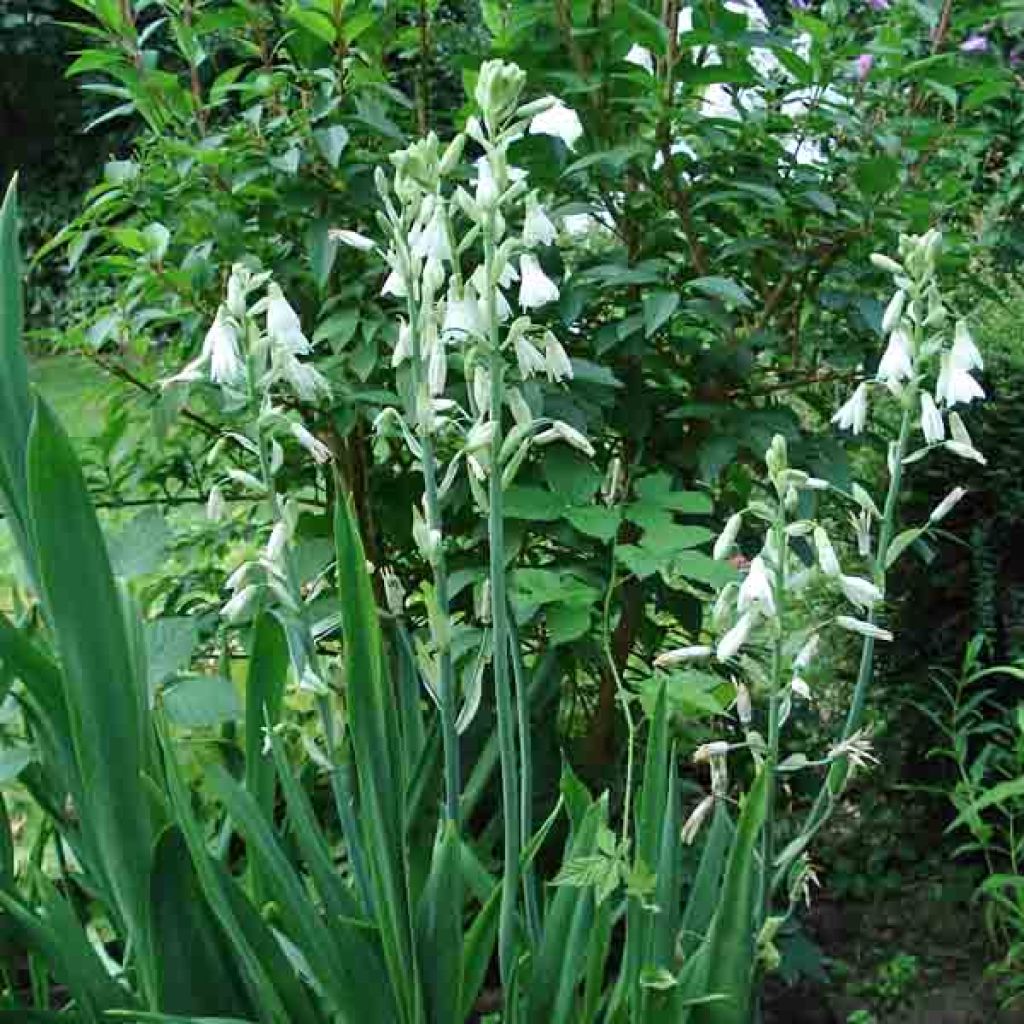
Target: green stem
{"points": [[341, 783], [526, 774], [620, 690], [772, 755], [499, 610], [837, 775], [439, 566]]}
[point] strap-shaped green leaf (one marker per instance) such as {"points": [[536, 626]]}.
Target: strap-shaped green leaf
{"points": [[106, 699], [15, 398], [731, 939], [439, 930], [376, 749], [196, 972]]}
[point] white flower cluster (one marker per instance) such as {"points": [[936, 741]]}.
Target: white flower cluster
{"points": [[244, 358], [922, 354], [778, 574], [253, 352], [463, 260]]}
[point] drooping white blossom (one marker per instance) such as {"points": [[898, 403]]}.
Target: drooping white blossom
{"points": [[757, 588], [536, 288], [956, 385], [826, 553], [352, 239], [894, 312], [964, 352], [528, 356], [731, 643], [960, 442], [538, 228], [562, 431], [320, 452], [860, 592], [283, 325], [556, 359], [559, 120], [853, 413], [867, 629], [897, 363]]}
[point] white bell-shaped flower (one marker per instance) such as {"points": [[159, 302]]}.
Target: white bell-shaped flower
{"points": [[536, 288], [853, 413], [955, 384], [556, 359], [947, 505], [560, 121], [461, 316], [394, 285], [226, 366], [283, 325], [537, 226], [896, 364], [960, 442], [757, 588], [731, 643], [403, 347], [528, 356], [352, 239], [965, 353], [727, 538]]}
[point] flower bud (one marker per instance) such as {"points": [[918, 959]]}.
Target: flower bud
{"points": [[727, 538]]}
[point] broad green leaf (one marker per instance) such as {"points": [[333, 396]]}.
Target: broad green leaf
{"points": [[658, 309], [332, 142], [595, 521], [196, 972], [197, 702], [724, 288], [376, 749], [264, 692], [534, 504], [15, 400], [107, 701], [140, 547], [170, 643], [439, 930], [731, 937]]}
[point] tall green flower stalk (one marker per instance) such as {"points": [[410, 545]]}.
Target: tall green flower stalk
{"points": [[453, 255], [253, 354], [925, 349]]}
